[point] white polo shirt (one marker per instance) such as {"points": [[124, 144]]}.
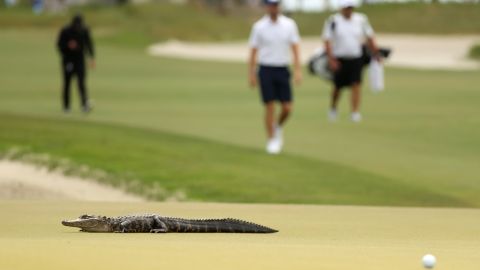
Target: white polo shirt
{"points": [[348, 35], [273, 40]]}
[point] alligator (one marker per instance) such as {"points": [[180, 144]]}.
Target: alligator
{"points": [[152, 223]]}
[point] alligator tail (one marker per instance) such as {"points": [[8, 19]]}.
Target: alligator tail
{"points": [[227, 225]]}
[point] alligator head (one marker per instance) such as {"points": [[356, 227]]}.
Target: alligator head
{"points": [[89, 223]]}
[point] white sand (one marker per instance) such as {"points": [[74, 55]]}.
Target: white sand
{"points": [[415, 51], [24, 181]]}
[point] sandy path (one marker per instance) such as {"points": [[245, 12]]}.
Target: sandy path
{"points": [[23, 181], [417, 51]]}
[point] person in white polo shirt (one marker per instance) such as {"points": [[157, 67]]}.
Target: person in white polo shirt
{"points": [[344, 33], [271, 40]]}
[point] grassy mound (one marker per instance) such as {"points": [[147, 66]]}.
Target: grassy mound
{"points": [[205, 170]]}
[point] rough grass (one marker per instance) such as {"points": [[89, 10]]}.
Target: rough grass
{"points": [[140, 25], [414, 18]]}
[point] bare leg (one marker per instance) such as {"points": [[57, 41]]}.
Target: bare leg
{"points": [[356, 97], [286, 109], [335, 98], [269, 118]]}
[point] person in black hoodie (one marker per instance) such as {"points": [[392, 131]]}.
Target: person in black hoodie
{"points": [[73, 43]]}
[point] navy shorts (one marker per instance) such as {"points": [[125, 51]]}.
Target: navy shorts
{"points": [[275, 83], [350, 72]]}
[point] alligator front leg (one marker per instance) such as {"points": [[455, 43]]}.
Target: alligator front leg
{"points": [[126, 227], [158, 231], [163, 227]]}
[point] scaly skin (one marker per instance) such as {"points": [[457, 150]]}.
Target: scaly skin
{"points": [[151, 223]]}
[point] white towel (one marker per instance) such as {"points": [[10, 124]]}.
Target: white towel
{"points": [[376, 76]]}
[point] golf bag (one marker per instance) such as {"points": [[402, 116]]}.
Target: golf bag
{"points": [[318, 63]]}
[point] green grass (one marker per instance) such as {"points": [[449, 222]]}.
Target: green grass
{"points": [[206, 170], [418, 138], [474, 52], [426, 18], [418, 18], [140, 25]]}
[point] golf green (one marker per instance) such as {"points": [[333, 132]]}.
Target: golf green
{"points": [[310, 237]]}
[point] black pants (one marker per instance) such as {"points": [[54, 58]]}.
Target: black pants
{"points": [[70, 69], [350, 72]]}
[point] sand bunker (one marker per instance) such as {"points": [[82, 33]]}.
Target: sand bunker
{"points": [[24, 181], [413, 51]]}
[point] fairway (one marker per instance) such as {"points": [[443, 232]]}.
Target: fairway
{"points": [[421, 134], [310, 237]]}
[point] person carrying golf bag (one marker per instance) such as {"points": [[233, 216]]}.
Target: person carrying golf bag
{"points": [[344, 34], [73, 42]]}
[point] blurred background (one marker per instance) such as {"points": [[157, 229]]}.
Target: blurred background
{"points": [[174, 118]]}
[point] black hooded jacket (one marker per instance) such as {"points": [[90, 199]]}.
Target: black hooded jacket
{"points": [[76, 32]]}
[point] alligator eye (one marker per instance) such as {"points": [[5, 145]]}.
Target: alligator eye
{"points": [[84, 216]]}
